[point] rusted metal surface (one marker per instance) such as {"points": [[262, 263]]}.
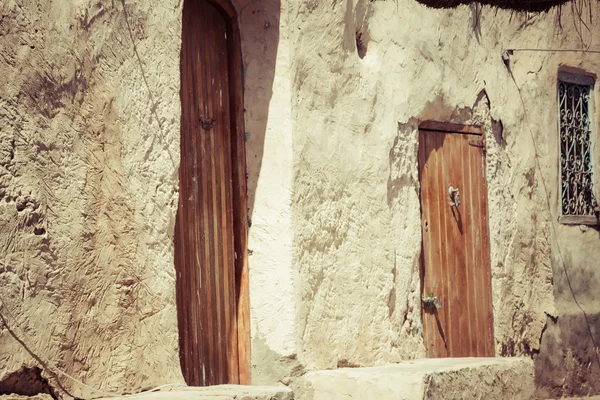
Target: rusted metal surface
{"points": [[204, 233], [456, 256]]}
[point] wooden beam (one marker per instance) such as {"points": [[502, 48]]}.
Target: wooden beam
{"points": [[578, 220], [450, 127]]}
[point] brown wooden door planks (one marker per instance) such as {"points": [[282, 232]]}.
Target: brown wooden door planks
{"points": [[205, 232], [456, 262]]}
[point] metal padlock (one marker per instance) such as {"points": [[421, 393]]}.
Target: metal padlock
{"points": [[432, 301]]}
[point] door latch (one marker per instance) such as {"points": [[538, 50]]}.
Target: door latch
{"points": [[454, 196], [431, 301], [207, 123]]}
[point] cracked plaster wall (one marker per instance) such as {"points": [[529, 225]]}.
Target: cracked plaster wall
{"points": [[89, 151], [89, 156]]}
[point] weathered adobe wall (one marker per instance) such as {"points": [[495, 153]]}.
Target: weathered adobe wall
{"points": [[89, 177], [89, 150], [89, 157], [356, 215], [568, 363], [266, 54]]}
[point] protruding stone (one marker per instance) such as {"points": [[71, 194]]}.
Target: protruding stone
{"points": [[448, 378]]}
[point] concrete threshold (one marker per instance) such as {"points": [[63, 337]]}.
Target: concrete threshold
{"points": [[448, 378], [217, 392], [595, 397]]}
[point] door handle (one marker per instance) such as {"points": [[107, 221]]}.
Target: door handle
{"points": [[431, 301], [207, 123], [454, 196]]}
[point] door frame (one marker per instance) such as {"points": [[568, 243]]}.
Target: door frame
{"points": [[240, 193], [455, 128], [239, 185]]}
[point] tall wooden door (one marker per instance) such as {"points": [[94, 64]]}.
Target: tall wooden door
{"points": [[456, 271], [205, 254]]}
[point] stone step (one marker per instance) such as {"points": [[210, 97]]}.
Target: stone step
{"points": [[218, 392], [595, 397], [448, 378]]}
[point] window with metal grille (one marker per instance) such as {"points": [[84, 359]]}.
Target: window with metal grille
{"points": [[575, 105]]}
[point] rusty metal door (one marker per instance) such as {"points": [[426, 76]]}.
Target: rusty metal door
{"points": [[204, 232], [456, 303]]}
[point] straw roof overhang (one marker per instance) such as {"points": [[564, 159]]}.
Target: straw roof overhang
{"points": [[519, 5]]}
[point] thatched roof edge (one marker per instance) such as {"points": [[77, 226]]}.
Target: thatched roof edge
{"points": [[518, 5]]}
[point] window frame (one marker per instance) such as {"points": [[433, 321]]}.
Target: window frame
{"points": [[587, 80]]}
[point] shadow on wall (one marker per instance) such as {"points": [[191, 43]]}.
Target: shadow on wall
{"points": [[259, 26], [568, 363]]}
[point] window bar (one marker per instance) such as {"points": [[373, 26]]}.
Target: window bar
{"points": [[575, 142]]}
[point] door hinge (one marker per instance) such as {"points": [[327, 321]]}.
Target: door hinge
{"points": [[478, 143]]}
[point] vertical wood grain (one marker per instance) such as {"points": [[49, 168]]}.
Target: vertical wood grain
{"points": [[473, 250], [240, 209], [456, 260], [427, 277], [461, 289], [211, 188], [440, 270]]}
